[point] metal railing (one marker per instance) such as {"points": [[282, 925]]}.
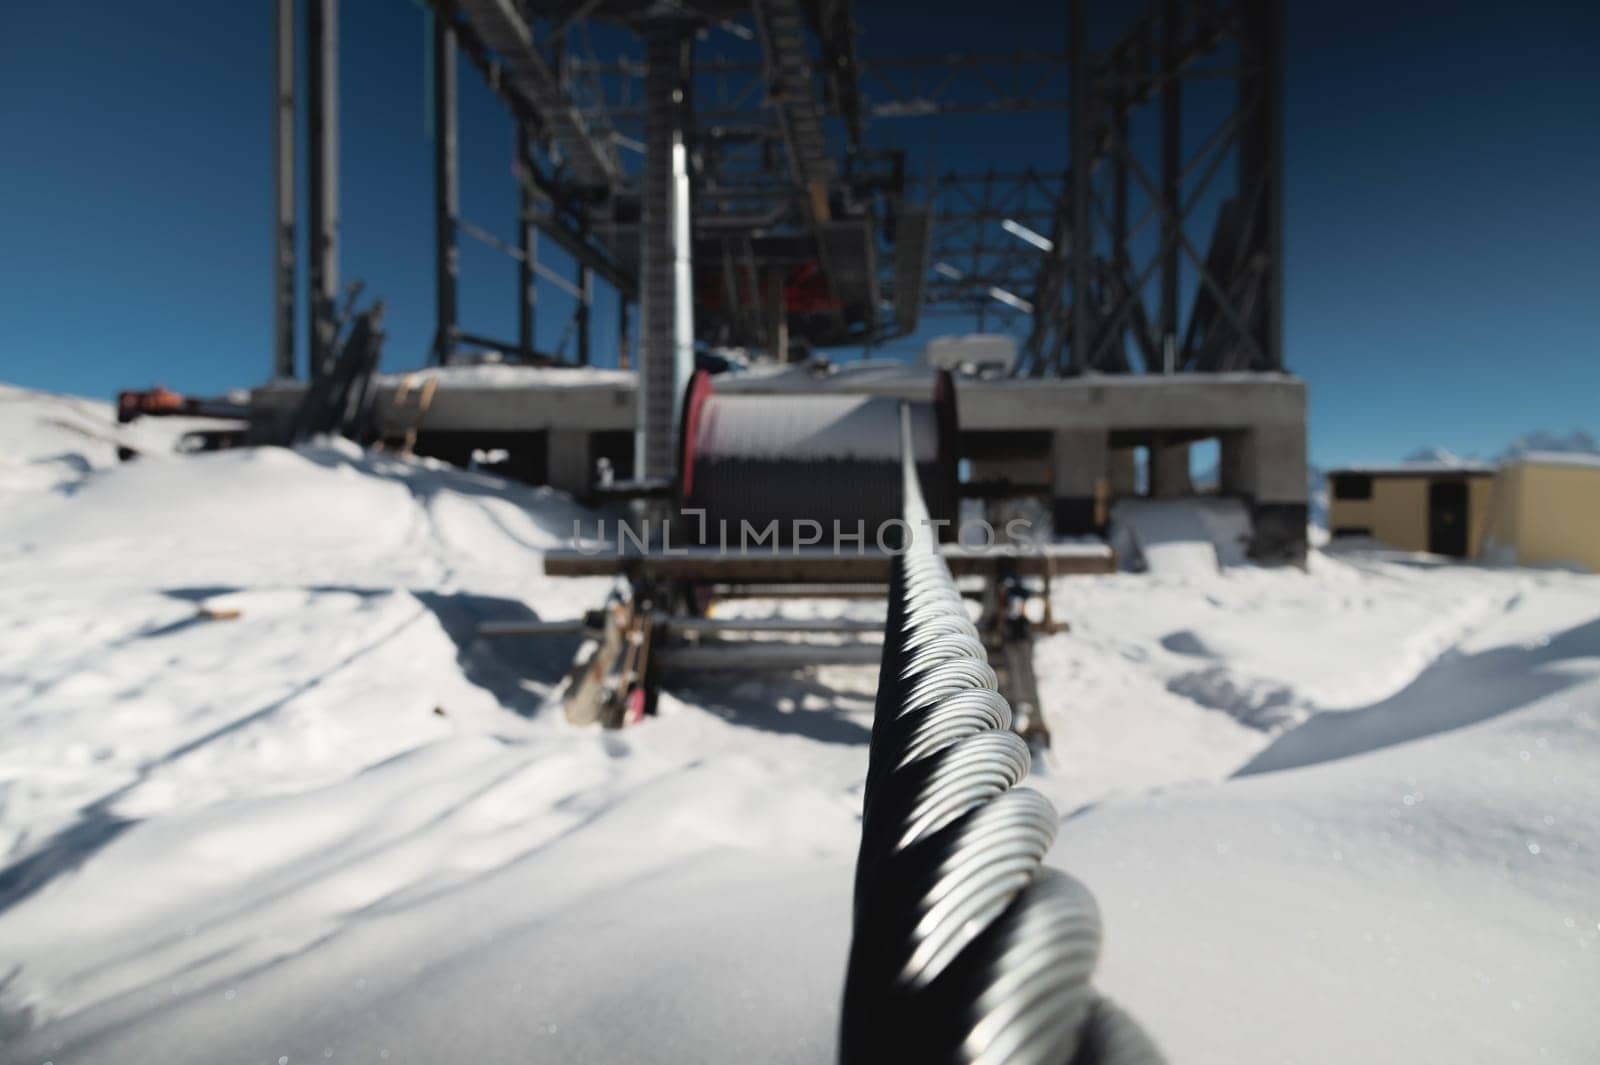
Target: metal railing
{"points": [[965, 947]]}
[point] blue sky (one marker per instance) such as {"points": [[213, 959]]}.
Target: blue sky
{"points": [[1442, 268]]}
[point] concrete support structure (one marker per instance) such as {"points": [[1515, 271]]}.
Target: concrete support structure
{"points": [[1266, 465], [322, 46], [446, 190], [1088, 427], [571, 460], [1078, 481], [283, 193], [1122, 472], [1073, 438], [1169, 468]]}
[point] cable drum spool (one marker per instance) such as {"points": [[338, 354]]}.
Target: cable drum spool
{"points": [[750, 458]]}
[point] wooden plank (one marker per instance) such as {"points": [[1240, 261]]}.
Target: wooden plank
{"points": [[769, 656], [717, 626], [532, 627], [811, 564]]}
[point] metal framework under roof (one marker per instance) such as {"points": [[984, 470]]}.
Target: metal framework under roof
{"points": [[799, 233]]}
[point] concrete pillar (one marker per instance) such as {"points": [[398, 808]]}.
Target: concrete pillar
{"points": [[1235, 465], [1122, 471], [1266, 468], [1169, 470], [1078, 460], [571, 462]]}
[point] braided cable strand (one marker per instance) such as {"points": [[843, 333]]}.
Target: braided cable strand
{"points": [[965, 947]]}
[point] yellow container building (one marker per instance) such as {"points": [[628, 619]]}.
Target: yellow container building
{"points": [[1414, 507], [1546, 511]]}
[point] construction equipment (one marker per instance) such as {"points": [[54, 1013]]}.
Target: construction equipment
{"points": [[783, 496], [339, 400], [161, 402]]}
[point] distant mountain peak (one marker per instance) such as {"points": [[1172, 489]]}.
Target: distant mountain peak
{"points": [[1435, 456], [1577, 441]]}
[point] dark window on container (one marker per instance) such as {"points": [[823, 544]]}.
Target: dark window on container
{"points": [[1352, 486], [1341, 531]]}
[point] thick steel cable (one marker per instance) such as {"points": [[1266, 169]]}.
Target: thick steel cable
{"points": [[965, 947]]}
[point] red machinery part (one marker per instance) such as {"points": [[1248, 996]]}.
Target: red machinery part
{"points": [[158, 400], [701, 385]]}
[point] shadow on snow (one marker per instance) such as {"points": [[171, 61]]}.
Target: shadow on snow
{"points": [[1455, 691]]}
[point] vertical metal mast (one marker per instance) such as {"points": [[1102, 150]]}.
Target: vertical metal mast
{"points": [[1171, 176], [1261, 160], [528, 244], [283, 194], [666, 350], [446, 191], [323, 85], [585, 306], [1080, 238]]}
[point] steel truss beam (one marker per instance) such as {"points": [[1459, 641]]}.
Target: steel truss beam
{"points": [[909, 87], [975, 263], [588, 155], [1092, 291]]}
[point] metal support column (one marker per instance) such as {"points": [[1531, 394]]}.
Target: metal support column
{"points": [[986, 205], [777, 315], [528, 232], [1171, 176], [585, 306], [622, 332], [446, 190], [283, 194], [1261, 158], [1081, 242], [666, 348], [322, 45], [1119, 217]]}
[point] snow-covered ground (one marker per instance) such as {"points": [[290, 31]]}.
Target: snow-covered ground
{"points": [[263, 798]]}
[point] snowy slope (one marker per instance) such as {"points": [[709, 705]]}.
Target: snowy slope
{"points": [[1342, 814], [1387, 886]]}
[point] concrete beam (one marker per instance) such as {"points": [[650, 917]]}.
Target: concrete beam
{"points": [[1212, 402]]}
